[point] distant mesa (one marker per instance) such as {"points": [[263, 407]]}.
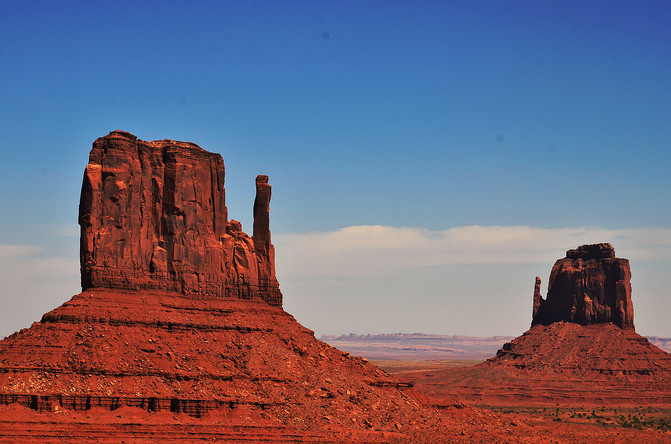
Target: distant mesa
{"points": [[589, 286], [580, 350]]}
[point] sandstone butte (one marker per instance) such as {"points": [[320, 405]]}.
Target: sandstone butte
{"points": [[179, 332], [581, 349], [153, 217]]}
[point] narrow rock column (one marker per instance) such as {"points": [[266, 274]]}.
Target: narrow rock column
{"points": [[537, 296], [265, 252], [261, 233]]}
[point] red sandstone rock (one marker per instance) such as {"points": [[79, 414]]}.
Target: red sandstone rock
{"points": [[581, 349], [153, 216], [170, 353], [589, 286], [173, 320], [537, 296], [564, 364]]}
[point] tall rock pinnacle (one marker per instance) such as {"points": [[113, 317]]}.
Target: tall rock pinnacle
{"points": [[261, 234], [153, 216], [589, 286]]}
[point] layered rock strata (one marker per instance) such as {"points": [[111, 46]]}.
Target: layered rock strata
{"points": [[153, 216], [589, 286], [166, 352], [248, 365], [563, 364]]}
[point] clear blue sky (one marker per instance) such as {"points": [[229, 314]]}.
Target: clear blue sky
{"points": [[422, 115]]}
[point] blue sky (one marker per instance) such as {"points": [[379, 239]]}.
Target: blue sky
{"points": [[401, 118]]}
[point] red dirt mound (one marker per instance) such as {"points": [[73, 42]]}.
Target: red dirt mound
{"points": [[111, 349], [562, 364]]}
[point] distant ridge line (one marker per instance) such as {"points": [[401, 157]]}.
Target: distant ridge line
{"points": [[429, 346]]}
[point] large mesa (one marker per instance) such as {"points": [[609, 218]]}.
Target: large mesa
{"points": [[153, 216]]}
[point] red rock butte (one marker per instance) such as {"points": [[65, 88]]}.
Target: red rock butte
{"points": [[589, 286], [180, 314], [153, 216], [580, 350]]}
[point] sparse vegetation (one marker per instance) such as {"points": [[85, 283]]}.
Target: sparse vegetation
{"points": [[637, 418]]}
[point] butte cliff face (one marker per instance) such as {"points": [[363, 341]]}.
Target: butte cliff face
{"points": [[589, 286], [153, 216]]}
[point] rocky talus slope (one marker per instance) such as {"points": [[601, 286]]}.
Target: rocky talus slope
{"points": [[164, 353]]}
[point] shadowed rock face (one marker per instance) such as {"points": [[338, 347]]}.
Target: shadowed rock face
{"points": [[153, 216], [589, 286]]}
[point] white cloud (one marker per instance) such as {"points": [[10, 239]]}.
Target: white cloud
{"points": [[10, 253], [382, 250], [32, 282], [26, 263], [63, 230]]}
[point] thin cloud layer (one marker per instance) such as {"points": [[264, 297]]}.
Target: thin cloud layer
{"points": [[10, 253], [383, 251], [63, 230], [32, 282], [23, 264]]}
